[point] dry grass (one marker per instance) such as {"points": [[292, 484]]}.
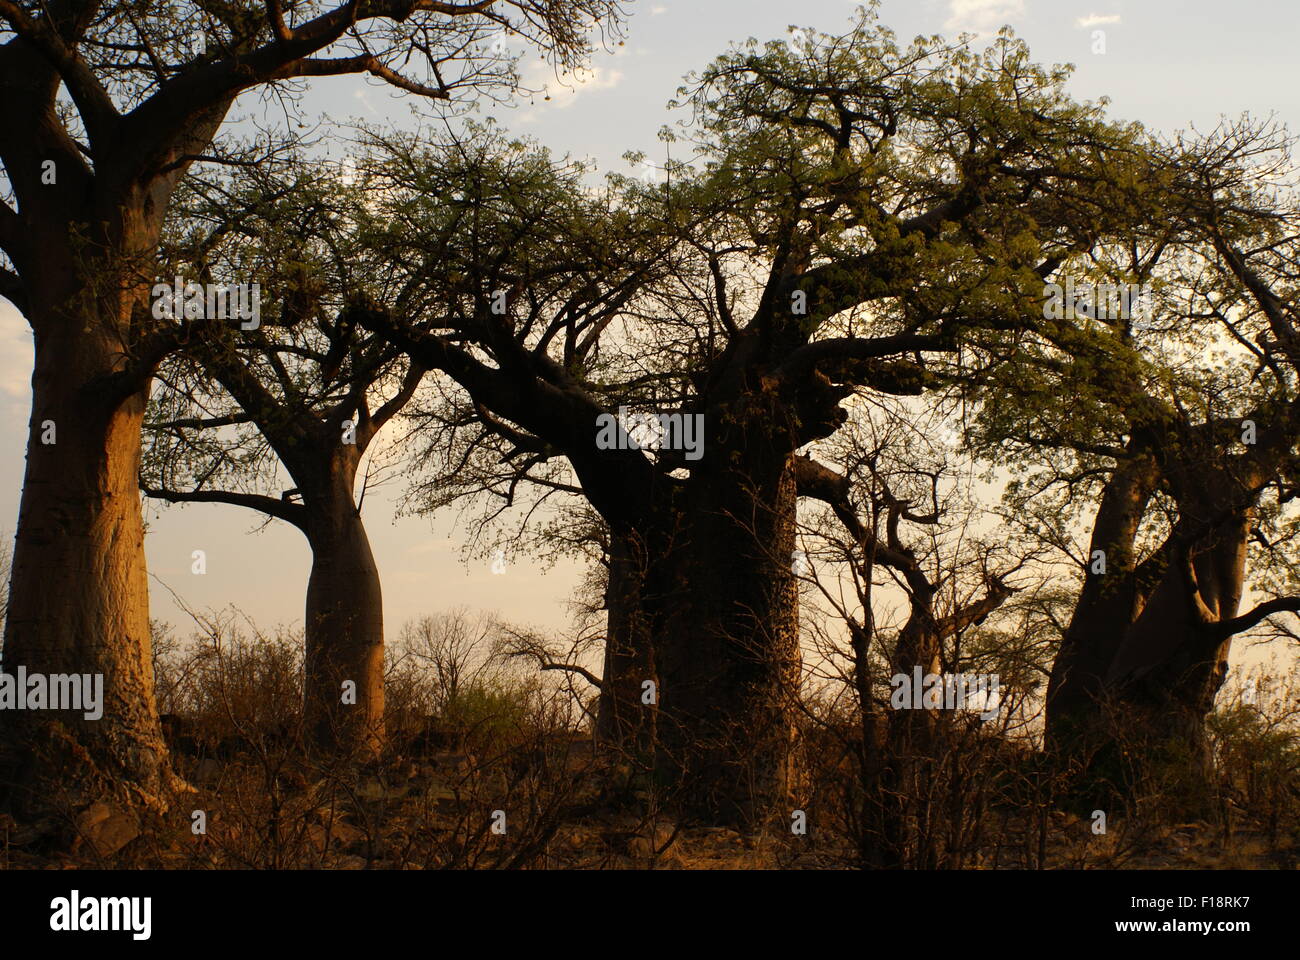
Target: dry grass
{"points": [[474, 733]]}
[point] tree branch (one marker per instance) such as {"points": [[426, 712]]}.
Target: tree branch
{"points": [[93, 102], [1227, 628], [294, 513]]}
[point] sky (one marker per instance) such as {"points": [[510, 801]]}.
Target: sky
{"points": [[1171, 64]]}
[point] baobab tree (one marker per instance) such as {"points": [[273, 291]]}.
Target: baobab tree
{"points": [[1179, 422], [107, 107], [855, 211], [303, 394]]}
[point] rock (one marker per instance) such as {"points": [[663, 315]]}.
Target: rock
{"points": [[431, 736], [439, 789], [649, 842], [315, 835], [340, 834], [346, 835], [93, 815], [106, 828], [642, 843], [447, 763], [581, 753], [373, 789], [207, 771], [641, 848]]}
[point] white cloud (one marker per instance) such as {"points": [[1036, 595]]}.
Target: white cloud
{"points": [[593, 79], [432, 545], [365, 101], [980, 15], [564, 91], [1096, 20]]}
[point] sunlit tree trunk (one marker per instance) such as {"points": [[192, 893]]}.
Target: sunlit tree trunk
{"points": [[1110, 601], [79, 600], [1147, 649]]}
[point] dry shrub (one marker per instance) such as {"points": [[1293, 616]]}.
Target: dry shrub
{"points": [[476, 743]]}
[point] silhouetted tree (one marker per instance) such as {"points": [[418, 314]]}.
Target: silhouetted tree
{"points": [[858, 212]]}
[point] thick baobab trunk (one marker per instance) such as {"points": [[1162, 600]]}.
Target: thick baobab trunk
{"points": [[79, 600], [728, 658], [1173, 662], [1111, 600], [625, 721], [344, 659], [1143, 657]]}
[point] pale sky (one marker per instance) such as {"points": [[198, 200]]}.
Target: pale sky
{"points": [[1168, 63]]}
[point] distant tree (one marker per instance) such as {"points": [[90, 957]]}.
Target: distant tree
{"points": [[305, 393]]}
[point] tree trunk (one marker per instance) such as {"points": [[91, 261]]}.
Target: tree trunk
{"points": [[79, 600], [1171, 664], [344, 659], [911, 747], [729, 655], [1107, 606], [1141, 663], [876, 810], [79, 594], [624, 721]]}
